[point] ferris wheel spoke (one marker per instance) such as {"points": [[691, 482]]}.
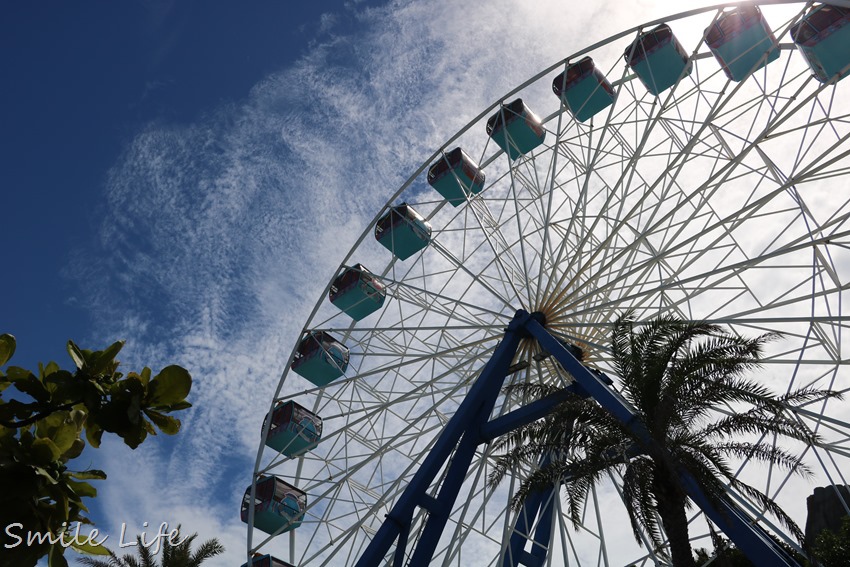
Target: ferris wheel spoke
{"points": [[525, 266], [488, 226], [698, 283], [547, 210], [736, 218], [508, 265], [673, 167], [454, 308], [448, 255]]}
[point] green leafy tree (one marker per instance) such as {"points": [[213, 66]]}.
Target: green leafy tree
{"points": [[727, 555], [675, 375], [179, 555], [41, 430], [832, 549]]}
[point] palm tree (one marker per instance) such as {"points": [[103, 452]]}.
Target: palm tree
{"points": [[179, 555], [676, 375]]}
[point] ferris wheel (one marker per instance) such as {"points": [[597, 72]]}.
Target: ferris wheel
{"points": [[695, 166]]}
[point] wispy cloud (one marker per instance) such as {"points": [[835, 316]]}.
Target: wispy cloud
{"points": [[218, 236]]}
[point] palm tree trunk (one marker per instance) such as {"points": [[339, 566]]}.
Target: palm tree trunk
{"points": [[671, 508]]}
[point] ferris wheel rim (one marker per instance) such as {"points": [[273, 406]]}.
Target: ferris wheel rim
{"points": [[477, 120]]}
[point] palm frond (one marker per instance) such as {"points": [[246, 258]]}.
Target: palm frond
{"points": [[640, 504], [765, 453], [208, 549], [771, 507], [113, 561]]}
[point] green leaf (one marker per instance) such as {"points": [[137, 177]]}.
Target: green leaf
{"points": [[179, 406], [145, 376], [75, 450], [86, 548], [104, 361], [170, 386], [132, 383], [167, 424], [65, 436], [82, 489], [93, 396], [148, 427], [56, 559], [51, 368], [15, 410], [7, 348], [76, 355], [63, 386], [78, 417], [91, 474], [33, 387], [94, 432], [45, 451], [134, 409], [135, 435], [16, 374], [47, 475], [46, 426], [61, 429]]}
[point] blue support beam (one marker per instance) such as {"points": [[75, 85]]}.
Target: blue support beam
{"points": [[545, 526], [469, 417], [539, 507], [516, 554], [521, 416]]}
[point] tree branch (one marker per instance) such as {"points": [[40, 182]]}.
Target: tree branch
{"points": [[40, 415]]}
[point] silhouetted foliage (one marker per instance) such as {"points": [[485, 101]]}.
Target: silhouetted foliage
{"points": [[41, 430], [179, 555]]}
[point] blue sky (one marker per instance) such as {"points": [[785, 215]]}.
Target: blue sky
{"points": [[187, 176], [86, 88], [81, 82]]}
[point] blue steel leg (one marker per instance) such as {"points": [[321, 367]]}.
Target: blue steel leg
{"points": [[516, 554], [438, 513], [480, 430], [543, 533], [476, 406], [538, 506], [750, 538]]}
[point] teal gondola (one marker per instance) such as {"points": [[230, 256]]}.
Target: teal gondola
{"points": [[357, 292], [742, 42], [584, 89], [455, 176], [658, 59], [267, 561], [294, 429], [823, 37], [320, 358], [516, 129], [403, 231], [278, 506]]}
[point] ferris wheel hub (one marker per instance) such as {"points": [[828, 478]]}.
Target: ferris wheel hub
{"points": [[539, 316], [519, 322]]}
